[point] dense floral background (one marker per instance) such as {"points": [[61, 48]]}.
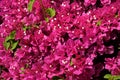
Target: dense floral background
{"points": [[59, 39]]}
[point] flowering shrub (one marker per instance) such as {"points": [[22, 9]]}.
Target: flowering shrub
{"points": [[59, 39]]}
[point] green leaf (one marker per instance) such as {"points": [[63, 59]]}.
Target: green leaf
{"points": [[30, 5], [71, 63], [26, 65], [107, 76], [25, 28], [47, 19], [6, 45], [98, 23], [14, 45], [10, 41], [22, 69], [7, 38], [116, 77], [51, 12], [12, 34]]}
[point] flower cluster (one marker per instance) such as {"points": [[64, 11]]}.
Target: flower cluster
{"points": [[59, 39]]}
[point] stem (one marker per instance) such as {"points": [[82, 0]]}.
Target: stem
{"points": [[43, 8]]}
